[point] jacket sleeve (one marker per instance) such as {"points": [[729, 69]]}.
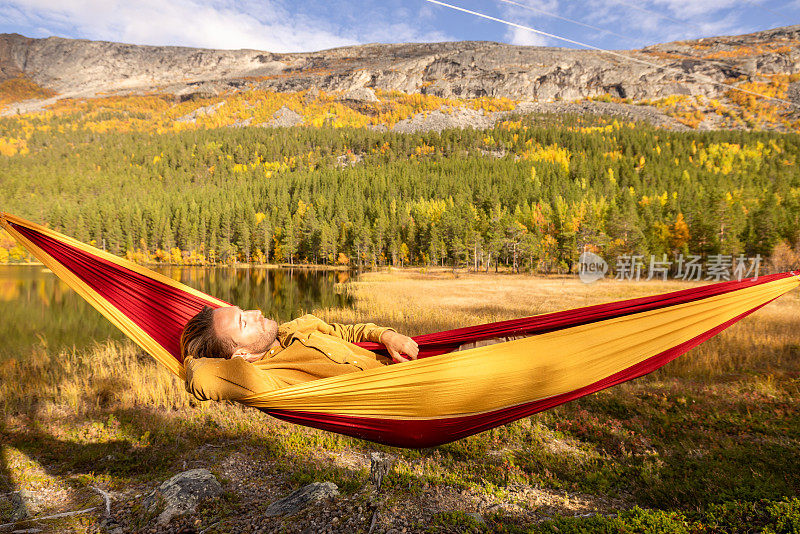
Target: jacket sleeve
{"points": [[354, 333], [219, 379]]}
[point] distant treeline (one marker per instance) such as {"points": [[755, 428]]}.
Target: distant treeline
{"points": [[530, 193]]}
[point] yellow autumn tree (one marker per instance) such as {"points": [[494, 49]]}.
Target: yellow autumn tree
{"points": [[680, 232]]}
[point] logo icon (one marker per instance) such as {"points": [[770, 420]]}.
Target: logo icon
{"points": [[591, 267]]}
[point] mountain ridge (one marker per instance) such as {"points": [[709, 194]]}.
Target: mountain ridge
{"points": [[707, 67]]}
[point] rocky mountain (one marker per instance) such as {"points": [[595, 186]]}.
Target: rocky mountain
{"points": [[81, 68]]}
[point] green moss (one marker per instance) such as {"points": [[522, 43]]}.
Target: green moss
{"points": [[453, 522], [762, 516]]}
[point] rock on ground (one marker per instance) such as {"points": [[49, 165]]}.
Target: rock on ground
{"points": [[360, 94], [20, 501], [183, 492], [284, 117], [305, 496], [199, 112], [448, 117]]}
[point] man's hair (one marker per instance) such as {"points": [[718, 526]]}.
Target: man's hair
{"points": [[199, 340]]}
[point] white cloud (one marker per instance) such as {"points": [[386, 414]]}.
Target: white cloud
{"points": [[426, 13], [286, 26], [663, 21], [528, 13], [518, 36], [196, 23], [690, 9], [399, 25], [400, 32], [551, 6], [225, 24]]}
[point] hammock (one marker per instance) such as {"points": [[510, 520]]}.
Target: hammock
{"points": [[440, 397]]}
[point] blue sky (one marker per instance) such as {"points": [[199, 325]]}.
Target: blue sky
{"points": [[299, 26]]}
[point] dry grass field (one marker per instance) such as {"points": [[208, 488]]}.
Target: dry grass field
{"points": [[708, 443]]}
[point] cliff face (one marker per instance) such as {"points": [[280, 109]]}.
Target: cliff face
{"points": [[453, 69]]}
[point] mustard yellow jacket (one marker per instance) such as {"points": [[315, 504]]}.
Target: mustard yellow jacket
{"points": [[309, 349]]}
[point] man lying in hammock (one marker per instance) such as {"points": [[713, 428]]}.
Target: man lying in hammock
{"points": [[229, 353]]}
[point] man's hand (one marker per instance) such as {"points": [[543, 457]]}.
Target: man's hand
{"points": [[398, 344]]}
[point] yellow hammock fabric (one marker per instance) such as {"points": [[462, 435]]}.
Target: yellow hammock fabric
{"points": [[444, 395]]}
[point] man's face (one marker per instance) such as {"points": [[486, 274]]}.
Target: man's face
{"points": [[249, 329]]}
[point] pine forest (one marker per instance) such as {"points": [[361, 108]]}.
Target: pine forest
{"points": [[529, 194]]}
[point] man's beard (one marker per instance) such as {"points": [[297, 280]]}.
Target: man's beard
{"points": [[265, 340]]}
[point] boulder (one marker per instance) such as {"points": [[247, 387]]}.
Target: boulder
{"points": [[182, 493], [20, 504], [284, 117], [200, 112], [305, 496], [198, 91], [360, 94], [793, 92]]}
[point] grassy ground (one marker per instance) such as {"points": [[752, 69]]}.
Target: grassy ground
{"points": [[708, 443]]}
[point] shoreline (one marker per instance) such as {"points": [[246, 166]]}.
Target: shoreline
{"points": [[420, 271]]}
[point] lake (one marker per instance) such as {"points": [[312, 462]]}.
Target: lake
{"points": [[41, 311]]}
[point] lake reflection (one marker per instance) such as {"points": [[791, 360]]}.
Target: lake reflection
{"points": [[39, 309]]}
